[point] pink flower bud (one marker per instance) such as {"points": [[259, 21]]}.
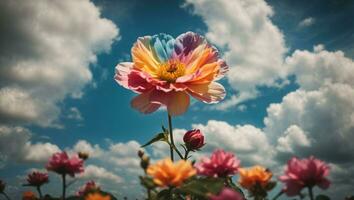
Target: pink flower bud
{"points": [[193, 139]]}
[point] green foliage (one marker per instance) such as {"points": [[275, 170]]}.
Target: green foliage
{"points": [[322, 197], [202, 187], [158, 137]]}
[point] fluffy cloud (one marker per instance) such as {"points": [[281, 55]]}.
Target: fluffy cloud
{"points": [[15, 146], [254, 46], [45, 53], [307, 22], [93, 172]]}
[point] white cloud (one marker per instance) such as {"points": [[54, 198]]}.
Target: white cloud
{"points": [[74, 113], [94, 172], [307, 22], [45, 53], [15, 146], [94, 151], [292, 138], [254, 45]]}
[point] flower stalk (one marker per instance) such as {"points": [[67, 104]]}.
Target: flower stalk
{"points": [[310, 193], [171, 136], [64, 185], [39, 192], [6, 196]]}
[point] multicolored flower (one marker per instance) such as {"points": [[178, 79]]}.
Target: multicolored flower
{"points": [[220, 164], [227, 194], [61, 163], [301, 173], [167, 173], [165, 71], [253, 176], [37, 178], [97, 196], [88, 187]]}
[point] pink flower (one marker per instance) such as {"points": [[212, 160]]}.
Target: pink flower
{"points": [[227, 194], [220, 164], [166, 71], [193, 139], [89, 186], [37, 179], [62, 164], [301, 173]]}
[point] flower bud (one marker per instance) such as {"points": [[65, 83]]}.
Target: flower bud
{"points": [[83, 155], [193, 139], [2, 186], [145, 161], [141, 153]]}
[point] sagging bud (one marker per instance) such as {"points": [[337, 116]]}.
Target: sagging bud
{"points": [[83, 155], [193, 139]]}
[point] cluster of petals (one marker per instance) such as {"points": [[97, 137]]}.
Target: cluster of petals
{"points": [[194, 139], [220, 164], [255, 175], [165, 173], [37, 178], [301, 173], [227, 194], [97, 196], [61, 163], [88, 187], [166, 71]]}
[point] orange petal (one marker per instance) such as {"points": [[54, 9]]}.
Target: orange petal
{"points": [[178, 103]]}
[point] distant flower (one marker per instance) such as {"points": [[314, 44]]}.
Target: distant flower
{"points": [[165, 71], [97, 196], [254, 176], [62, 164], [301, 173], [193, 139], [227, 194], [167, 173], [89, 186], [2, 186], [37, 179], [28, 195], [220, 164]]}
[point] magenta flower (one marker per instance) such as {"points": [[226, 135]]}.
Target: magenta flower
{"points": [[62, 164], [301, 173], [220, 164], [193, 139], [227, 194], [89, 186], [37, 179]]}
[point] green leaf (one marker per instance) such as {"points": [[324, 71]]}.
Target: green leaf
{"points": [[322, 197], [158, 137], [164, 195], [270, 186], [201, 187], [147, 182]]}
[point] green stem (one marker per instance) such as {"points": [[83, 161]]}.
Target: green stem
{"points": [[311, 193], [7, 197], [64, 185], [186, 155], [278, 195], [39, 192], [171, 136]]}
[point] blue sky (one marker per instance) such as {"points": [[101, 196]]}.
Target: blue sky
{"points": [[270, 52]]}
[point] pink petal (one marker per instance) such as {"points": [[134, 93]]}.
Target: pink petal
{"points": [[143, 104]]}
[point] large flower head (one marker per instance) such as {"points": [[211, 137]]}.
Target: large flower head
{"points": [[300, 173], [37, 179], [167, 173], [61, 163], [165, 71], [220, 164], [256, 176]]}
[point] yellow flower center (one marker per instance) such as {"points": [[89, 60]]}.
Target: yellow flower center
{"points": [[171, 70]]}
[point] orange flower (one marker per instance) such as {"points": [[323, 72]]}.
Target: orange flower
{"points": [[257, 174], [28, 195], [97, 196], [167, 173]]}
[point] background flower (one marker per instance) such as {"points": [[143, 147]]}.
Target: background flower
{"points": [[167, 173], [165, 71], [61, 163], [300, 173], [89, 186], [227, 194], [254, 175], [37, 179], [220, 164]]}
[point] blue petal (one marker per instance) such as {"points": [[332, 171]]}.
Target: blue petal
{"points": [[163, 45]]}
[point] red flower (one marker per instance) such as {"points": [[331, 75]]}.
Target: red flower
{"points": [[62, 164], [227, 194], [193, 139], [37, 179], [89, 186], [220, 164], [301, 173]]}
